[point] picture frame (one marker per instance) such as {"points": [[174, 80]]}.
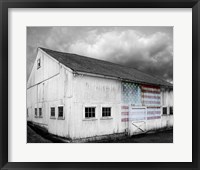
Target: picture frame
{"points": [[4, 127]]}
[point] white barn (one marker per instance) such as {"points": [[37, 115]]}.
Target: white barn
{"points": [[79, 97]]}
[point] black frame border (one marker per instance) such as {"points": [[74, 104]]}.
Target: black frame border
{"points": [[6, 4]]}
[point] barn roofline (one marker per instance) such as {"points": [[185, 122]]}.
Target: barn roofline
{"points": [[61, 56], [118, 78]]}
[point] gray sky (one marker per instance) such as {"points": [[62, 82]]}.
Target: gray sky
{"points": [[149, 49]]}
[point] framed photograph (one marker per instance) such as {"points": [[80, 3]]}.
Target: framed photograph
{"points": [[104, 84]]}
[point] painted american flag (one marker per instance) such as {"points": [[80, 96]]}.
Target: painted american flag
{"points": [[138, 95], [137, 114], [151, 95], [129, 113], [131, 93], [125, 113], [153, 112]]}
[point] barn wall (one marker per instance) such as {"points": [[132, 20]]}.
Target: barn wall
{"points": [[167, 101], [49, 68], [130, 103], [167, 97], [31, 103], [91, 91], [53, 89]]}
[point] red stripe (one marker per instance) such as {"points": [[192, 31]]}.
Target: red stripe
{"points": [[150, 91], [151, 97], [124, 107], [124, 119], [153, 117], [125, 113]]}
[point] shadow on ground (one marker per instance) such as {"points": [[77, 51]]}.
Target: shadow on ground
{"points": [[35, 136], [155, 137]]}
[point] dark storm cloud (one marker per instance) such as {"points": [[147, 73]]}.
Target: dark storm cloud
{"points": [[149, 49]]}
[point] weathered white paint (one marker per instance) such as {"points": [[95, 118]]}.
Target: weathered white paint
{"points": [[167, 97], [49, 86], [53, 85], [98, 92], [167, 101], [48, 69], [137, 120]]}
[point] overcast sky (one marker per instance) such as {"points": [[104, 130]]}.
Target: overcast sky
{"points": [[149, 49]]}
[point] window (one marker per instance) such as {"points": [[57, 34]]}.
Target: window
{"points": [[27, 113], [52, 111], [35, 112], [40, 112], [106, 111], [38, 63], [89, 112], [171, 110], [164, 110], [60, 111]]}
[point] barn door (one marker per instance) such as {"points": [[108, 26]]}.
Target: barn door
{"points": [[137, 120]]}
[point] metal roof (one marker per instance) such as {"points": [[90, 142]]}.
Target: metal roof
{"points": [[84, 64]]}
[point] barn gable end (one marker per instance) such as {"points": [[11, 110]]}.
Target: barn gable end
{"points": [[47, 69], [49, 88]]}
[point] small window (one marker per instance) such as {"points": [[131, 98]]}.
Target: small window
{"points": [[60, 111], [89, 112], [35, 112], [164, 110], [40, 112], [52, 111], [106, 111], [38, 63], [171, 110]]}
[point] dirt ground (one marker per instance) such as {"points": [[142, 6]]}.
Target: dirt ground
{"points": [[33, 137], [160, 137]]}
